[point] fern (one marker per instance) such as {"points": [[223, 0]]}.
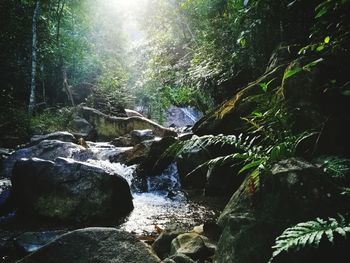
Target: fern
{"points": [[335, 166], [309, 234]]}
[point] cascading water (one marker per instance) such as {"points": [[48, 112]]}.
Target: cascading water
{"points": [[161, 204]]}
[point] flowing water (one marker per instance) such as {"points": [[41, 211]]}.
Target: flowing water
{"points": [[161, 204]]}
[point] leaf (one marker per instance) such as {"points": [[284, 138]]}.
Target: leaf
{"points": [[327, 39], [291, 72], [251, 165]]}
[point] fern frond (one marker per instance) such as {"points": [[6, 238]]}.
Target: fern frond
{"points": [[309, 234]]}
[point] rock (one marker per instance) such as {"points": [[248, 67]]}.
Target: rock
{"points": [[32, 241], [82, 128], [162, 244], [168, 260], [68, 190], [48, 150], [91, 245], [180, 258], [192, 245], [147, 154], [60, 136], [223, 180], [232, 111], [5, 196], [133, 113], [123, 141], [294, 191], [138, 136], [134, 155], [187, 162], [153, 164], [108, 127]]}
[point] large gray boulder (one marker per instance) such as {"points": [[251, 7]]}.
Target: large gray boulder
{"points": [[109, 127], [48, 150], [293, 191], [60, 136], [68, 190], [91, 245]]}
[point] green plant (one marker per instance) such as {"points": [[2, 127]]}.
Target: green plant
{"points": [[51, 120], [310, 233], [335, 166]]}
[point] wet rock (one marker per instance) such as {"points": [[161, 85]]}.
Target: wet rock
{"points": [[153, 163], [132, 156], [293, 191], [180, 258], [138, 136], [123, 141], [32, 241], [48, 150], [162, 244], [60, 136], [92, 245], [82, 128], [108, 127], [192, 245], [68, 190]]}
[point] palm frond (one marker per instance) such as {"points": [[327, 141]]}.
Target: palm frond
{"points": [[309, 233]]}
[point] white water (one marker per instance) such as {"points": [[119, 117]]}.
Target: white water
{"points": [[163, 203]]}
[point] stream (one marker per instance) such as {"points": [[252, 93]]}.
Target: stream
{"points": [[162, 204]]}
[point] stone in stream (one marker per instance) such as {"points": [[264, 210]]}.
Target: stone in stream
{"points": [[162, 244], [62, 136], [138, 136], [195, 246], [68, 190], [48, 150], [91, 245], [110, 127]]}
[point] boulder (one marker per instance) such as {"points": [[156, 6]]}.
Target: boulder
{"points": [[62, 136], [68, 190], [293, 191], [195, 246], [108, 127], [29, 242], [123, 141], [162, 244], [48, 150], [147, 154], [82, 128], [91, 245], [138, 136]]}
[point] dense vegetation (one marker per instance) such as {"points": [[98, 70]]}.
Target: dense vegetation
{"points": [[277, 70]]}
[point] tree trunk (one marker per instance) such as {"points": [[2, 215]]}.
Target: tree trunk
{"points": [[32, 100]]}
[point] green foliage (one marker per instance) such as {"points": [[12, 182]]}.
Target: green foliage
{"points": [[51, 120], [337, 167], [310, 233]]}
